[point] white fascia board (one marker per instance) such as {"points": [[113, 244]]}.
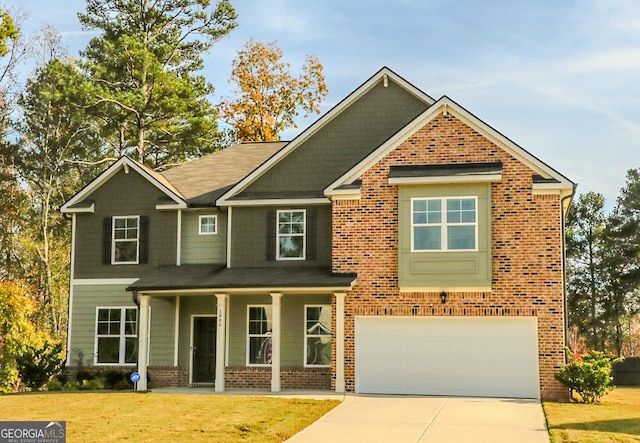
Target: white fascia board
{"points": [[169, 207], [439, 289], [320, 123], [345, 196], [264, 290], [279, 202], [85, 210], [103, 281], [471, 178], [110, 172], [446, 105]]}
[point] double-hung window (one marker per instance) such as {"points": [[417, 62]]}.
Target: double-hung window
{"points": [[125, 247], [116, 336], [259, 328], [444, 224], [291, 235], [317, 335]]}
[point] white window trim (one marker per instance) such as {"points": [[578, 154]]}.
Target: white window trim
{"points": [[114, 241], [247, 353], [306, 336], [443, 224], [215, 224], [123, 336], [303, 235]]}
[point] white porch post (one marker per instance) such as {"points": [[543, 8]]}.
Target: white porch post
{"points": [[143, 341], [339, 339], [275, 342], [221, 340]]}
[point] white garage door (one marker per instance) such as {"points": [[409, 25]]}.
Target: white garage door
{"points": [[466, 356]]}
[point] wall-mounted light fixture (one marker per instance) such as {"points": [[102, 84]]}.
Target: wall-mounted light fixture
{"points": [[443, 297], [126, 168]]}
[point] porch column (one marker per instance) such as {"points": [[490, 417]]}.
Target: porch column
{"points": [[221, 340], [339, 339], [275, 341], [143, 341]]}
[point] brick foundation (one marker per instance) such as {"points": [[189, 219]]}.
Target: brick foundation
{"points": [[168, 376], [240, 377]]}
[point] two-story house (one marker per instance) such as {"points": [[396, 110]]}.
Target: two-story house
{"points": [[398, 245]]}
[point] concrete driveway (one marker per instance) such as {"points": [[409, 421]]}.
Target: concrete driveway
{"points": [[401, 419]]}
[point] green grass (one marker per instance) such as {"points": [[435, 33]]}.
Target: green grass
{"points": [[121, 417], [616, 419]]}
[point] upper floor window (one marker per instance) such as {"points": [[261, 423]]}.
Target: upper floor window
{"points": [[116, 336], [444, 224], [208, 224], [291, 235], [125, 240]]}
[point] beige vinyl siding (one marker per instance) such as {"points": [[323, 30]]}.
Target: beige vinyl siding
{"points": [[292, 333], [445, 269], [200, 249]]}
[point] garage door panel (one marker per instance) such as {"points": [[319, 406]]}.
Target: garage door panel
{"points": [[476, 356]]}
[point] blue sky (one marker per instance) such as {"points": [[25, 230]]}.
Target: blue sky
{"points": [[559, 77]]}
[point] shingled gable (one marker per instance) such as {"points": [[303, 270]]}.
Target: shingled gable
{"points": [[203, 180], [80, 202], [547, 180], [385, 76]]}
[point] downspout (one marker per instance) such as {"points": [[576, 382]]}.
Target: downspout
{"points": [[564, 264]]}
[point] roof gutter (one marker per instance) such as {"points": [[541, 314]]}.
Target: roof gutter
{"points": [[564, 261]]}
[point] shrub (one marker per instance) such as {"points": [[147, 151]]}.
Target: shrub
{"points": [[116, 379], [55, 385], [589, 375], [71, 386], [36, 364], [91, 385]]}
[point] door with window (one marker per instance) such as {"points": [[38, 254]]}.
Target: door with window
{"points": [[203, 367]]}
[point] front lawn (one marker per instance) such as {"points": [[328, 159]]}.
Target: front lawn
{"points": [[616, 419], [119, 417]]}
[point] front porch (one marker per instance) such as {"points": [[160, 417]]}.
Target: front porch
{"points": [[285, 334]]}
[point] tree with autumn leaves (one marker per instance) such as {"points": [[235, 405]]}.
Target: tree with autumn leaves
{"points": [[268, 98]]}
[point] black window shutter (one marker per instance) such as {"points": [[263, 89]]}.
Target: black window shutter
{"points": [[144, 239], [106, 241], [270, 237], [311, 234]]}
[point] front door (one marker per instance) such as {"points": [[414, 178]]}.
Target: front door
{"points": [[203, 369]]}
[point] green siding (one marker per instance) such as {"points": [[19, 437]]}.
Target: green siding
{"points": [[249, 238], [342, 142], [198, 248], [293, 348], [162, 332], [445, 269], [124, 194], [86, 298], [83, 317]]}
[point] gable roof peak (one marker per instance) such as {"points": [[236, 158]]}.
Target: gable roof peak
{"points": [[384, 75]]}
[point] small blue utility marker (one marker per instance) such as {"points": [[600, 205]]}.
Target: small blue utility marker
{"points": [[135, 378]]}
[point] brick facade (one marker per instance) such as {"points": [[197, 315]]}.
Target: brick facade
{"points": [[241, 377], [527, 270]]}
